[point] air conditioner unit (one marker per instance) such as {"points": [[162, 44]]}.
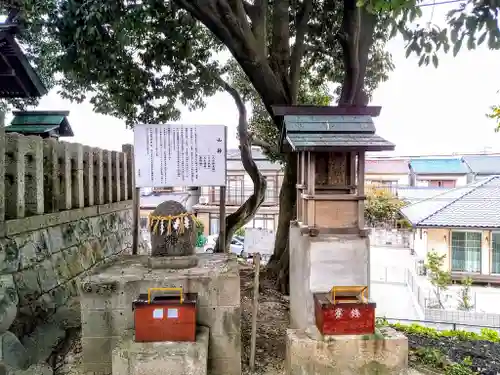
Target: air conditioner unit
{"points": [[203, 200]]}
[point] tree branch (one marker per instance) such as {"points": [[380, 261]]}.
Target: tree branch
{"points": [[263, 144], [248, 209], [299, 47], [280, 48], [355, 39], [218, 17]]}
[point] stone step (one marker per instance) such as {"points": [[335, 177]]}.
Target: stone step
{"points": [[161, 358]]}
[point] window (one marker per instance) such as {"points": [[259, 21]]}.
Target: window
{"points": [[495, 252], [234, 190], [262, 222], [271, 190], [213, 223], [466, 251]]}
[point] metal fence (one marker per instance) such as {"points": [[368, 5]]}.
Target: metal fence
{"points": [[443, 325]]}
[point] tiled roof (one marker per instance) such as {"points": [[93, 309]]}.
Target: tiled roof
{"points": [[323, 132], [483, 164], [438, 166], [473, 206], [389, 166], [234, 161], [312, 141], [414, 194]]}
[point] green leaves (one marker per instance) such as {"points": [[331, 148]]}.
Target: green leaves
{"points": [[470, 22]]}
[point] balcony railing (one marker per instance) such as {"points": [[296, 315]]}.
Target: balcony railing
{"points": [[236, 197]]}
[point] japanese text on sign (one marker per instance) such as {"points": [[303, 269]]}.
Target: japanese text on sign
{"points": [[180, 155]]}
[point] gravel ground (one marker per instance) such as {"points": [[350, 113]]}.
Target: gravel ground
{"points": [[485, 355]]}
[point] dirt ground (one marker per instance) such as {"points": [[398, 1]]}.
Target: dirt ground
{"points": [[272, 322]]}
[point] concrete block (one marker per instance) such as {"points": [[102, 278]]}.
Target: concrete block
{"points": [[162, 358], [224, 366], [228, 291], [220, 320], [345, 257], [347, 355], [112, 288], [97, 351], [103, 323]]}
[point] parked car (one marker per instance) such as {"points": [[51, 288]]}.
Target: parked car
{"points": [[237, 245]]}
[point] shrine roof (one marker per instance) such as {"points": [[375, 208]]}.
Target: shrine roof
{"points": [[40, 122], [327, 141], [19, 79], [317, 132]]}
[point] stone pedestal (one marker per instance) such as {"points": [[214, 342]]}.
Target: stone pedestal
{"points": [[162, 358], [107, 295], [319, 263], [385, 353]]}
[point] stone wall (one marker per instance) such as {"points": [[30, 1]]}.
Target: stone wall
{"points": [[39, 271], [64, 208]]}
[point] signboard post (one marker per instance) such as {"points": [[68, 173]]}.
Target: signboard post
{"points": [[178, 155]]}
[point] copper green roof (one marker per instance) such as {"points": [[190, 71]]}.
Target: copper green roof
{"points": [[326, 132], [40, 122]]}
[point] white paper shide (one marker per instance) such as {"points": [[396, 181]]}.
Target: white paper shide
{"points": [[180, 155]]}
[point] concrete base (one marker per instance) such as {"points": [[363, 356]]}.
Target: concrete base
{"points": [[106, 304], [319, 263], [385, 353], [176, 262], [162, 358]]}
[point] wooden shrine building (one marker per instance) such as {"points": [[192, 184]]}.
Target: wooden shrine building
{"points": [[331, 143], [18, 79], [46, 124]]}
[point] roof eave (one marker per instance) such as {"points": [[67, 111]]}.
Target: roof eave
{"points": [[326, 148]]}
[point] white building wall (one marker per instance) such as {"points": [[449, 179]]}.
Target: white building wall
{"points": [[420, 243], [422, 180], [402, 179]]}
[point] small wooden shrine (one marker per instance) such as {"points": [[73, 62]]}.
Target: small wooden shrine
{"points": [[18, 78], [331, 143], [46, 124]]}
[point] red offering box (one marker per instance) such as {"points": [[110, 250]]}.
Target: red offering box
{"points": [[343, 318], [165, 318]]}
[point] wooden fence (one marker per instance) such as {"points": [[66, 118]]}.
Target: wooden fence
{"points": [[46, 176]]}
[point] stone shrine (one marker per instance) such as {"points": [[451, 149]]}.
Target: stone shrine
{"points": [[329, 245], [108, 294], [173, 230]]}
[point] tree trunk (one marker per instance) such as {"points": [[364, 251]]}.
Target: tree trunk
{"points": [[279, 262], [248, 209]]}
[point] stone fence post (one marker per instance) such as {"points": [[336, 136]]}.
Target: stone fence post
{"points": [[2, 174]]}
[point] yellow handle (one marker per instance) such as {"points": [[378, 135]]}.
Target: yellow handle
{"points": [[181, 294], [356, 290]]}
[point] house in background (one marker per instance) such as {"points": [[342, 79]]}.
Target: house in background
{"points": [[239, 187], [481, 166], [463, 224], [386, 173], [438, 172]]}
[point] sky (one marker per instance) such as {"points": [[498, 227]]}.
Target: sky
{"points": [[424, 110]]}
